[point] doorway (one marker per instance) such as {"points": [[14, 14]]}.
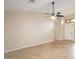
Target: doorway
{"points": [[69, 31]]}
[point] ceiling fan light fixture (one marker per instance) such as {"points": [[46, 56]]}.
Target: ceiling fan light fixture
{"points": [[62, 22], [53, 17]]}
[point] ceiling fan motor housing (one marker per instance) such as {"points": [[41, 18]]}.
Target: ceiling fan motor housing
{"points": [[58, 12]]}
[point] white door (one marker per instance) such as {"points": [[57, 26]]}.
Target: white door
{"points": [[69, 32]]}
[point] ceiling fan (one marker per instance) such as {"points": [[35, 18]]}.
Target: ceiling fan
{"points": [[53, 15], [31, 1]]}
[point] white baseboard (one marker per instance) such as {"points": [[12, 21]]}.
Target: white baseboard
{"points": [[6, 51]]}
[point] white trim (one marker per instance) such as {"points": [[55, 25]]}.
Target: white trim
{"points": [[6, 51]]}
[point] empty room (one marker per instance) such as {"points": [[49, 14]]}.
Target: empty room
{"points": [[39, 29]]}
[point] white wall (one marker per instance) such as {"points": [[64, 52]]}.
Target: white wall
{"points": [[25, 29], [59, 29]]}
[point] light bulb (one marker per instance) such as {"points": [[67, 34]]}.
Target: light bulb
{"points": [[62, 22], [73, 20], [53, 17]]}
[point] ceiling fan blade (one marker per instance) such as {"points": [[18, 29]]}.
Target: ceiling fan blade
{"points": [[59, 15], [47, 14]]}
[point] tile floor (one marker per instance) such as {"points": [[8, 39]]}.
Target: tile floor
{"points": [[53, 50]]}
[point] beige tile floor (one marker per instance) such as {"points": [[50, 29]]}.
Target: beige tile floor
{"points": [[53, 50]]}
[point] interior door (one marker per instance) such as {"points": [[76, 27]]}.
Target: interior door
{"points": [[69, 32]]}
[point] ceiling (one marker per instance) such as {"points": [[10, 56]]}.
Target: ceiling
{"points": [[67, 7]]}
